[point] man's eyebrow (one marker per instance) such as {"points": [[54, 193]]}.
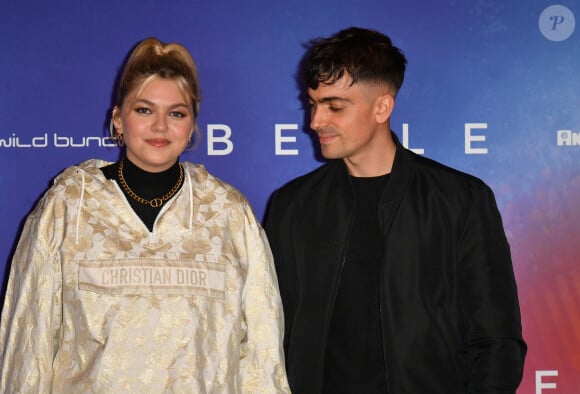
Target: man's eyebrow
{"points": [[330, 99]]}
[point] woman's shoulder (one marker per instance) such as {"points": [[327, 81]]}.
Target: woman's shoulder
{"points": [[85, 168], [207, 185]]}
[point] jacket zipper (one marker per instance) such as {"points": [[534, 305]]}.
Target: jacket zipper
{"points": [[343, 261], [381, 287]]}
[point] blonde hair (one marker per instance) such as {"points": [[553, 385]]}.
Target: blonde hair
{"points": [[152, 58]]}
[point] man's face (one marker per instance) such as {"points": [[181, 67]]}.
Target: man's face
{"points": [[344, 117]]}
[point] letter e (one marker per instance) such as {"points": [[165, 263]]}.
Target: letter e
{"points": [[470, 138], [540, 384], [280, 139]]}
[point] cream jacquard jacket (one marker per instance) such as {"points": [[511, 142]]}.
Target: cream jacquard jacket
{"points": [[96, 303]]}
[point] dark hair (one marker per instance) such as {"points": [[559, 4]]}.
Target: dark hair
{"points": [[363, 54]]}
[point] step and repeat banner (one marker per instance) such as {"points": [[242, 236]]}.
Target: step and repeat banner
{"points": [[492, 88]]}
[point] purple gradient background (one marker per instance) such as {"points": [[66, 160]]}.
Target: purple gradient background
{"points": [[479, 61]]}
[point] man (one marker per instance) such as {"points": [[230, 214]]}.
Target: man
{"points": [[395, 272]]}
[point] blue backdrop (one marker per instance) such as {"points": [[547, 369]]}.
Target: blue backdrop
{"points": [[492, 89]]}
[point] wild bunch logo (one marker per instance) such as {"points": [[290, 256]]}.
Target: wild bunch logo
{"points": [[55, 140]]}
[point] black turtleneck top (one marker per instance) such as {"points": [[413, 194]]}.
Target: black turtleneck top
{"points": [[147, 185]]}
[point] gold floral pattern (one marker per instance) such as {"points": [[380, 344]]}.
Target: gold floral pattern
{"points": [[96, 303]]}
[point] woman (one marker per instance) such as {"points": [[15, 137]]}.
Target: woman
{"points": [[145, 275]]}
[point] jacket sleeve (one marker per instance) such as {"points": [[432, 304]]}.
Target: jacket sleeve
{"points": [[495, 347], [277, 223], [31, 316], [262, 360]]}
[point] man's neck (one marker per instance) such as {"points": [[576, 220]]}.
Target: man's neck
{"points": [[373, 163]]}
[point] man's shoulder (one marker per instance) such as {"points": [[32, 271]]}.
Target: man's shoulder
{"points": [[299, 197], [435, 175], [318, 178]]}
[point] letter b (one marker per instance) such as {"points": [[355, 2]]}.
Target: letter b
{"points": [[225, 139]]}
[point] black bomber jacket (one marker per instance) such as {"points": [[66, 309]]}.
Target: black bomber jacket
{"points": [[449, 308]]}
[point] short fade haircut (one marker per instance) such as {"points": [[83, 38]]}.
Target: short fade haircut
{"points": [[365, 55]]}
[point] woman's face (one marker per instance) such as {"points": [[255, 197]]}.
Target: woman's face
{"points": [[157, 122]]}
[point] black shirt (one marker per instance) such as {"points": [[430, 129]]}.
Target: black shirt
{"points": [[354, 356]]}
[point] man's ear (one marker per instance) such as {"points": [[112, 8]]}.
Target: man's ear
{"points": [[385, 105]]}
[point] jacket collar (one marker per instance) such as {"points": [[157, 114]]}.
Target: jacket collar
{"points": [[401, 174]]}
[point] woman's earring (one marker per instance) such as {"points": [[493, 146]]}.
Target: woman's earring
{"points": [[117, 135], [120, 139]]}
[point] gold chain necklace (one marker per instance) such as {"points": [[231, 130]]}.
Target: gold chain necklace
{"points": [[155, 202]]}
